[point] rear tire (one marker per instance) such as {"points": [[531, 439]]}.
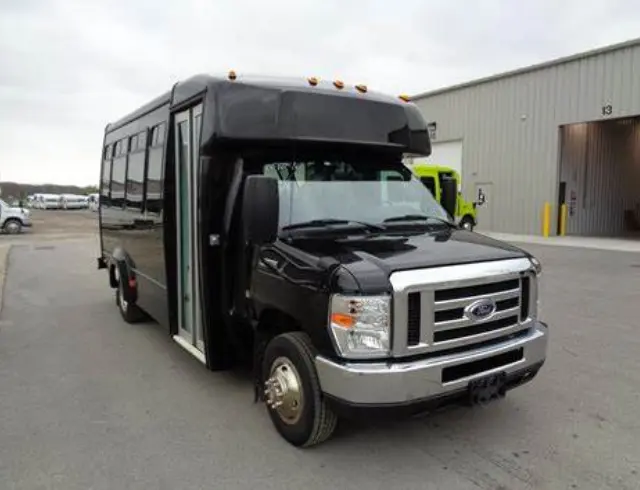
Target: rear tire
{"points": [[130, 312], [303, 417]]}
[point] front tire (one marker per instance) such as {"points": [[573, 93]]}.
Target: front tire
{"points": [[467, 223], [292, 391], [13, 226]]}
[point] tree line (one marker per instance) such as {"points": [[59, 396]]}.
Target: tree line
{"points": [[14, 190]]}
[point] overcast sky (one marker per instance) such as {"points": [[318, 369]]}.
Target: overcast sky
{"points": [[67, 67]]}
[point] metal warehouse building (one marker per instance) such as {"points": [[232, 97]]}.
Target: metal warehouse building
{"points": [[563, 132]]}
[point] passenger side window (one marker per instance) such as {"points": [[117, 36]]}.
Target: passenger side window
{"points": [[108, 150], [154, 181], [142, 140], [105, 183], [133, 143], [157, 135], [161, 131], [118, 182], [135, 180]]}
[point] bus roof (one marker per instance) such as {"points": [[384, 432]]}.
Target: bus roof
{"points": [[276, 108]]}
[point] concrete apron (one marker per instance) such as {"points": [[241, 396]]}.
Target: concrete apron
{"points": [[598, 243]]}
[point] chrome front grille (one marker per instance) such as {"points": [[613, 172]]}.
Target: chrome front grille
{"points": [[433, 308], [450, 320]]}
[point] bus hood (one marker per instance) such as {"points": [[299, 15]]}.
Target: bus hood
{"points": [[370, 261]]}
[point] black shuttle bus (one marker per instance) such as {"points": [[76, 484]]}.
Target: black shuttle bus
{"points": [[272, 222]]}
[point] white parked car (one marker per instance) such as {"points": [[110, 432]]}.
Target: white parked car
{"points": [[13, 219], [73, 201]]}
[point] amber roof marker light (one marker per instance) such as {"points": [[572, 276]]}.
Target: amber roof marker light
{"points": [[313, 81], [232, 75], [361, 88], [404, 97], [339, 84]]}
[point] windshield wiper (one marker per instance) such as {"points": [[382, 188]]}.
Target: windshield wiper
{"points": [[319, 223], [419, 217]]}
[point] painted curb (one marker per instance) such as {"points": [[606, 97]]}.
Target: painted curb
{"points": [[4, 256]]}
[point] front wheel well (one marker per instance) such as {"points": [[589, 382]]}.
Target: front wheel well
{"points": [[276, 322], [468, 217], [271, 323]]}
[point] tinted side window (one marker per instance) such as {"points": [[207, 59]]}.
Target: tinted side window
{"points": [[142, 140], [161, 131], [105, 183], [135, 180], [157, 135], [154, 181], [118, 181]]}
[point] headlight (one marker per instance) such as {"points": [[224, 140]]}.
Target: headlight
{"points": [[360, 325], [537, 266]]}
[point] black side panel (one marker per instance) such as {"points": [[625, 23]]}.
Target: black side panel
{"points": [[300, 295], [136, 227], [215, 175], [104, 160], [171, 231], [152, 298]]}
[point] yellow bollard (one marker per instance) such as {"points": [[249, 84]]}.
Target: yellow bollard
{"points": [[563, 220], [546, 219]]}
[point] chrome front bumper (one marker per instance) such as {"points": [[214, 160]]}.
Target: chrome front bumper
{"points": [[393, 383]]}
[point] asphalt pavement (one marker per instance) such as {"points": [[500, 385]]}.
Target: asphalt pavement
{"points": [[89, 402]]}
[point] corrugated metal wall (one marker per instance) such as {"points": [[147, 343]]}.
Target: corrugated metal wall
{"points": [[510, 129]]}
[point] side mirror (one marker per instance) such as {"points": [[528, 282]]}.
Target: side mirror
{"points": [[449, 195], [260, 209]]}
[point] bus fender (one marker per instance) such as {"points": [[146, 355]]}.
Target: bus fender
{"points": [[123, 265]]}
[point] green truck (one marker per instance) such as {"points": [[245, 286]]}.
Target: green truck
{"points": [[431, 176]]}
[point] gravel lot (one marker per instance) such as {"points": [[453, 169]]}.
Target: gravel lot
{"points": [[63, 223], [87, 401]]}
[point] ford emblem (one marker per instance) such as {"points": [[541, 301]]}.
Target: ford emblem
{"points": [[481, 309]]}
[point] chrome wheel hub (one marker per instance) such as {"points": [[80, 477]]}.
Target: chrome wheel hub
{"points": [[283, 390]]}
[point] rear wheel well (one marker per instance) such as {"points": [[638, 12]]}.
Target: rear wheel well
{"points": [[113, 282]]}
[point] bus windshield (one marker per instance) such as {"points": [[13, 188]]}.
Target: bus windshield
{"points": [[350, 189]]}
